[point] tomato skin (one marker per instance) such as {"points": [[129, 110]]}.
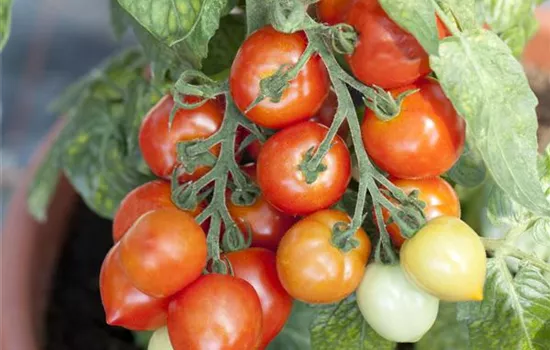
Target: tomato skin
{"points": [[215, 312], [427, 130], [158, 143], [257, 266], [283, 183], [260, 56], [160, 340], [311, 269], [439, 196], [385, 55], [163, 252], [149, 196], [333, 12], [447, 259], [125, 305], [393, 306]]}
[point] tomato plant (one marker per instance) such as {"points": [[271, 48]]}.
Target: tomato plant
{"points": [[163, 252], [216, 312], [393, 306], [284, 177], [257, 266], [314, 270], [428, 130], [124, 304]]}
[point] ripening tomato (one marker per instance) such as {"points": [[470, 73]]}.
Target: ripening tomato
{"points": [[125, 305], [158, 142], [447, 259], [216, 312], [283, 182], [333, 12], [265, 222], [393, 306], [163, 252], [424, 140], [439, 196], [385, 55], [311, 268], [160, 340], [257, 266], [262, 54], [149, 196]]}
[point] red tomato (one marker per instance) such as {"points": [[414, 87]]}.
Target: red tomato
{"points": [[282, 182], [216, 312], [257, 266], [333, 11], [125, 305], [158, 143], [254, 149], [261, 55], [385, 55], [311, 268], [327, 112], [424, 140], [265, 222], [439, 196], [163, 252], [150, 196]]}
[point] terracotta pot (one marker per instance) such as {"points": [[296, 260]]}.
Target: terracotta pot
{"points": [[29, 254]]}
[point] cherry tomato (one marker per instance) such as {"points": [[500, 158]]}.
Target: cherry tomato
{"points": [[262, 54], [311, 268], [439, 196], [333, 12], [125, 305], [265, 222], [257, 266], [447, 259], [424, 140], [385, 55], [216, 312], [394, 307], [160, 340], [327, 112], [158, 142], [163, 252], [282, 181], [150, 196]]}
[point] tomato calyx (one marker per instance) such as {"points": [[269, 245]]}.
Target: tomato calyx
{"points": [[288, 16], [311, 168], [384, 106], [245, 196], [344, 38], [205, 87], [343, 237]]}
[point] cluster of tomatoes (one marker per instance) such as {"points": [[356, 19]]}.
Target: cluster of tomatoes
{"points": [[154, 275]]}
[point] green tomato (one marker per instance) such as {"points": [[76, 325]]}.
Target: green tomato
{"points": [[160, 340], [394, 307]]}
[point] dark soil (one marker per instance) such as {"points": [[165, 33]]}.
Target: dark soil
{"points": [[75, 317]]}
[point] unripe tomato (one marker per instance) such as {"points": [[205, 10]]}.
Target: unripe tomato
{"points": [[262, 54], [149, 196], [311, 268], [385, 55], [447, 259], [163, 252], [257, 266], [158, 142], [438, 195], [424, 140], [393, 306], [125, 305], [333, 12], [283, 182], [160, 340], [216, 312]]}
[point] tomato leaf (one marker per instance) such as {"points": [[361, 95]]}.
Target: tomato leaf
{"points": [[186, 25], [446, 333], [469, 170], [295, 335], [513, 311], [489, 89], [119, 19], [417, 18], [257, 14], [342, 326], [462, 12], [224, 44], [5, 22]]}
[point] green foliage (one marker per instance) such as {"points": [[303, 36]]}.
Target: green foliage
{"points": [[295, 335], [342, 326], [469, 170], [224, 44], [257, 14], [5, 22], [447, 333]]}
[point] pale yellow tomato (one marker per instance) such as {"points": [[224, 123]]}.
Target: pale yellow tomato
{"points": [[447, 259], [160, 340]]}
